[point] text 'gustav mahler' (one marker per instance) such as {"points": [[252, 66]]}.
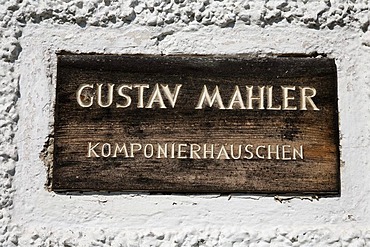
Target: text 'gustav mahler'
{"points": [[246, 97]]}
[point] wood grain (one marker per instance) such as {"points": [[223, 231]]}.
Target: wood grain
{"points": [[316, 131]]}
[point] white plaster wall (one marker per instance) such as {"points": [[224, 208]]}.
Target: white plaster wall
{"points": [[32, 32]]}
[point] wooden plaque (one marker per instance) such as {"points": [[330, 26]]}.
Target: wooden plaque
{"points": [[196, 124]]}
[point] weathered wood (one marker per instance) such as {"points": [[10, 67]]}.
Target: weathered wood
{"points": [[185, 127]]}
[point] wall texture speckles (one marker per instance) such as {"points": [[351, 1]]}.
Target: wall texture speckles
{"points": [[31, 32]]}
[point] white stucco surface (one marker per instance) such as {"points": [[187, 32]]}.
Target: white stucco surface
{"points": [[32, 33]]}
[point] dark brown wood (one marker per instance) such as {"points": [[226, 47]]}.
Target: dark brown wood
{"points": [[77, 126]]}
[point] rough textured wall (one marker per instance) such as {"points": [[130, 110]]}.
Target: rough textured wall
{"points": [[32, 31]]}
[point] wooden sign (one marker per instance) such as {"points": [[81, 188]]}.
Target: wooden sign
{"points": [[196, 124]]}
